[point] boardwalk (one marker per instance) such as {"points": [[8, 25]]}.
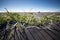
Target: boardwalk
{"points": [[33, 33], [43, 34]]}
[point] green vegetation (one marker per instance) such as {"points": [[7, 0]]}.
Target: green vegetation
{"points": [[28, 19], [50, 19]]}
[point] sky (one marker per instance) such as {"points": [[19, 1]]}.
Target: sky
{"points": [[30, 5]]}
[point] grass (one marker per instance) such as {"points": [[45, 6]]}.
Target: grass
{"points": [[27, 19], [9, 19]]}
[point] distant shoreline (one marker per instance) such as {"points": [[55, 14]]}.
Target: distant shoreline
{"points": [[31, 12]]}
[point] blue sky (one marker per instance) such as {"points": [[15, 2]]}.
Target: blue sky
{"points": [[30, 5]]}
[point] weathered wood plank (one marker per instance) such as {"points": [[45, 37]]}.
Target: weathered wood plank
{"points": [[39, 34], [29, 35], [45, 35], [34, 34], [52, 34]]}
